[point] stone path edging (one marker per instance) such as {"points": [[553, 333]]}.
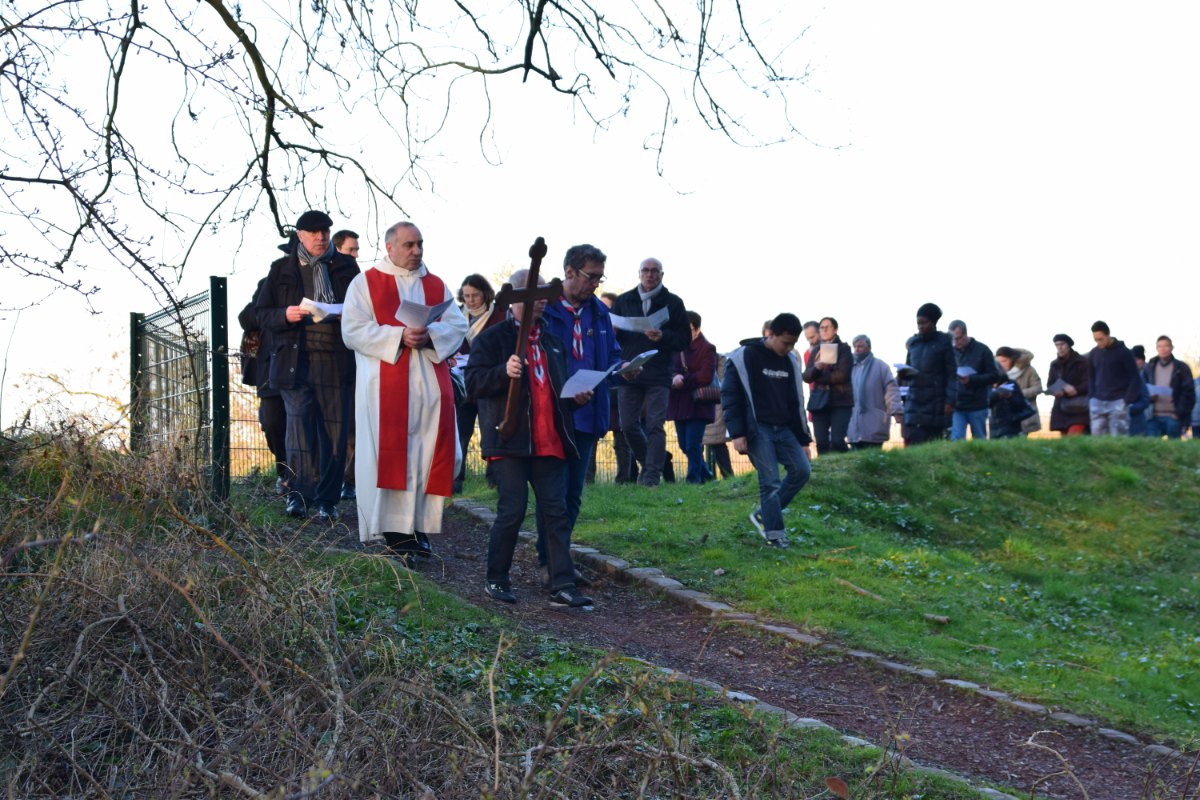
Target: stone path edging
{"points": [[654, 579]]}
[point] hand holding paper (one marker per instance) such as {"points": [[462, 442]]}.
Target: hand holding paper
{"points": [[320, 311]]}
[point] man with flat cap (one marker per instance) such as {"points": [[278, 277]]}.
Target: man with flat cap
{"points": [[310, 366], [933, 381]]}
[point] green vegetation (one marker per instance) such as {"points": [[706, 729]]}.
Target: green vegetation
{"points": [[156, 644], [1069, 569]]}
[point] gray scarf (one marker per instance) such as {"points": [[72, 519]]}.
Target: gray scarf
{"points": [[322, 286], [647, 296]]}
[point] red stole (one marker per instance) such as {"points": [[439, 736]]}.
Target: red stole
{"points": [[393, 396]]}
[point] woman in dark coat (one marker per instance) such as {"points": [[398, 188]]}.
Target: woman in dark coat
{"points": [[831, 399], [693, 369], [1069, 415]]}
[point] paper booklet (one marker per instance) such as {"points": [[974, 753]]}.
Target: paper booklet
{"points": [[419, 315], [586, 379], [966, 372], [1158, 391], [321, 310], [640, 324], [1058, 386]]}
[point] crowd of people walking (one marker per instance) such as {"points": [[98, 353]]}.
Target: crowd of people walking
{"points": [[371, 384]]}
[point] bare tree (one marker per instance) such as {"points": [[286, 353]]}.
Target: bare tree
{"points": [[133, 131]]}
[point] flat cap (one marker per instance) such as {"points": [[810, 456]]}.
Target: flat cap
{"points": [[314, 221]]}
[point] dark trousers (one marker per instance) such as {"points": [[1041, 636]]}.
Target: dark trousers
{"points": [[867, 445], [649, 446], [467, 413], [318, 408], [919, 434], [829, 428], [574, 477], [717, 456], [272, 417], [514, 477]]}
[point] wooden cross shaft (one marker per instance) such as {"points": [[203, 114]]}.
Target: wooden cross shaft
{"points": [[528, 297]]}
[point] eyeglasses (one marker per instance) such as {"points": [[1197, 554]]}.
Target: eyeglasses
{"points": [[592, 277]]}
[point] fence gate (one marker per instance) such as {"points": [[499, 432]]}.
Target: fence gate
{"points": [[179, 378]]}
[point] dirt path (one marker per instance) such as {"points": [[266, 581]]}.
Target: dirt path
{"points": [[948, 728]]}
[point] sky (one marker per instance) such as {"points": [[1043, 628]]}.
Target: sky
{"points": [[1029, 167]]}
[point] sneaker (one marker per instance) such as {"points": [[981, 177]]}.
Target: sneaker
{"points": [[756, 519], [499, 592], [296, 506], [570, 597], [781, 542], [544, 574]]}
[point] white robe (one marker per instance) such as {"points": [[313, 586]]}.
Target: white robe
{"points": [[393, 510]]}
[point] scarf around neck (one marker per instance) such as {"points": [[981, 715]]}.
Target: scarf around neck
{"points": [[322, 286], [647, 297]]}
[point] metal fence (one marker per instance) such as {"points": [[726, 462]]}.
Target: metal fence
{"points": [[179, 379]]}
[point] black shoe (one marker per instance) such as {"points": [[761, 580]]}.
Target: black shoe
{"points": [[499, 592], [570, 597], [400, 544], [348, 492], [328, 513], [296, 507], [544, 572], [424, 547]]}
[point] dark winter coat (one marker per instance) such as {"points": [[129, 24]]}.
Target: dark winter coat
{"points": [[676, 335], [487, 386], [1074, 370], [284, 287], [697, 365], [973, 395], [934, 384], [738, 402], [831, 387], [256, 368], [1183, 391]]}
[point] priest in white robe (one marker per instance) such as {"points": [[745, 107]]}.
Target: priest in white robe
{"points": [[407, 450]]}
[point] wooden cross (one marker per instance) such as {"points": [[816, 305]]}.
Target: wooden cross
{"points": [[529, 297]]}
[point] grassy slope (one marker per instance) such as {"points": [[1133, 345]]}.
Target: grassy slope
{"points": [[1070, 570]]}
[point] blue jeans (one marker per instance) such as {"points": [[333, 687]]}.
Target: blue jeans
{"points": [[574, 477], [514, 476], [770, 447], [977, 420], [690, 433], [1164, 426]]}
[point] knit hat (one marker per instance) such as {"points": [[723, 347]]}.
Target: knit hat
{"points": [[314, 221], [1062, 337], [1139, 351], [930, 312]]}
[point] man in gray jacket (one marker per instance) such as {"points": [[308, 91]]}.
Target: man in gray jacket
{"points": [[876, 398]]}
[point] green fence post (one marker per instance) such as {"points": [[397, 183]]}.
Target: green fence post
{"points": [[219, 338], [136, 365]]}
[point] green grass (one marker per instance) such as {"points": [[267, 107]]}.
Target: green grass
{"points": [[1070, 569], [540, 677]]}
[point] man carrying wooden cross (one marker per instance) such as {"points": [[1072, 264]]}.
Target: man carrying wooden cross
{"points": [[532, 449]]}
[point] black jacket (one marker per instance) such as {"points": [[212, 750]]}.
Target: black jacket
{"points": [[487, 386], [973, 395], [834, 382], [256, 367], [1183, 391], [676, 335], [1074, 370], [934, 385], [284, 287]]}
